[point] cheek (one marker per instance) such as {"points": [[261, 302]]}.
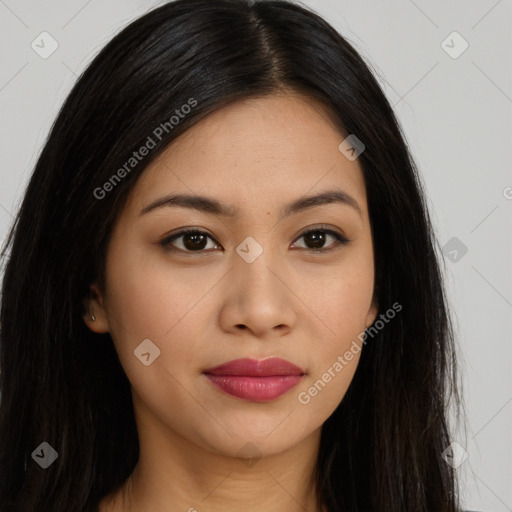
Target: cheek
{"points": [[341, 296], [335, 356], [344, 304], [146, 302], [148, 298], [328, 382]]}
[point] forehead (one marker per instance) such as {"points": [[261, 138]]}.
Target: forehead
{"points": [[257, 152]]}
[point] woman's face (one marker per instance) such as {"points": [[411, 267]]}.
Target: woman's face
{"points": [[252, 285]]}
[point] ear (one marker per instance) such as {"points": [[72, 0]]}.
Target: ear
{"points": [[93, 305], [372, 313]]}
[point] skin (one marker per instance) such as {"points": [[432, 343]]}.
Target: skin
{"points": [[203, 309]]}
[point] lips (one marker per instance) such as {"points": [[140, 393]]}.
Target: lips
{"points": [[256, 381]]}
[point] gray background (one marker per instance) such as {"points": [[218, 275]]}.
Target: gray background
{"points": [[456, 113]]}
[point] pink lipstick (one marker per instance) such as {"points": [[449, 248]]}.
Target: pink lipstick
{"points": [[256, 381]]}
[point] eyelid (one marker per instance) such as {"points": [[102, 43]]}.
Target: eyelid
{"points": [[340, 239], [166, 241], [322, 227]]}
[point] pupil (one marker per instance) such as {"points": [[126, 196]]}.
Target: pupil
{"points": [[196, 241], [318, 239]]}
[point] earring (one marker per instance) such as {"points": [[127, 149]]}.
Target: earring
{"points": [[93, 318]]}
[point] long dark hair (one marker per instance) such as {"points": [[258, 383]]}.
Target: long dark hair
{"points": [[63, 384]]}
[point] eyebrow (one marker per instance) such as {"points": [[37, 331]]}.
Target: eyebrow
{"points": [[211, 206]]}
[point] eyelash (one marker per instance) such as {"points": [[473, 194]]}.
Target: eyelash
{"points": [[340, 240]]}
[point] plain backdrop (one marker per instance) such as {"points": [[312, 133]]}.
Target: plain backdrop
{"points": [[446, 69]]}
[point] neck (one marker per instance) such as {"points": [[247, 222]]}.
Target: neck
{"points": [[174, 474]]}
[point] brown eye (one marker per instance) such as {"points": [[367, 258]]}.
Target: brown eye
{"points": [[192, 241], [315, 239], [196, 241]]}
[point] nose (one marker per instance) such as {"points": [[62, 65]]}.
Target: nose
{"points": [[258, 299]]}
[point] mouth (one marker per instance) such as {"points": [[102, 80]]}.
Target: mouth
{"points": [[255, 381]]}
